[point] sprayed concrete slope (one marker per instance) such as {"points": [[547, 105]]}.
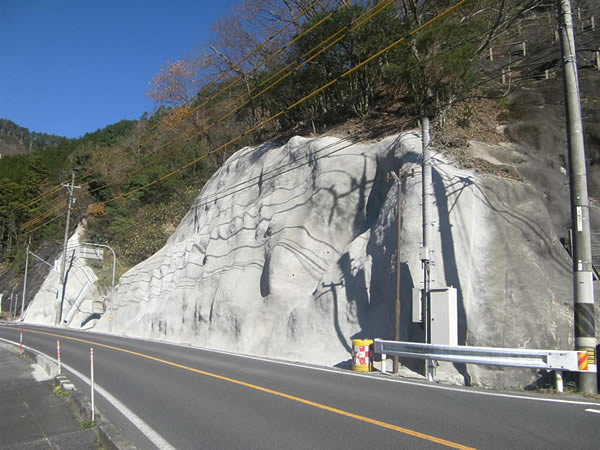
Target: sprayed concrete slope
{"points": [[43, 307], [289, 252]]}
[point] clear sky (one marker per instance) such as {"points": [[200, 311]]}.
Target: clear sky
{"points": [[69, 67]]}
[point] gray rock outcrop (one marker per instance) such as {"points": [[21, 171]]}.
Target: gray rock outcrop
{"points": [[289, 251]]}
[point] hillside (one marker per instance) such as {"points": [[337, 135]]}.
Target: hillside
{"points": [[15, 139], [283, 248]]}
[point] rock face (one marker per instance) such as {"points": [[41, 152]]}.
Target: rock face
{"points": [[290, 252], [81, 280]]}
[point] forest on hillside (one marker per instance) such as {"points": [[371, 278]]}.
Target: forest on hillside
{"points": [[274, 68]]}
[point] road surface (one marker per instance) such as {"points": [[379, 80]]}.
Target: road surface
{"points": [[190, 398]]}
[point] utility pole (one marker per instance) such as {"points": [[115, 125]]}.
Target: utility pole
{"points": [[60, 298], [25, 279], [583, 290], [425, 250], [398, 179]]}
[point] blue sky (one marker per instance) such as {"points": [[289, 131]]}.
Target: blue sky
{"points": [[72, 67]]}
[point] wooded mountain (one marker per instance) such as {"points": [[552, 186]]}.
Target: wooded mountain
{"points": [[15, 139]]}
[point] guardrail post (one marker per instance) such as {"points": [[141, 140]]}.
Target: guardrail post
{"points": [[383, 363], [559, 381], [430, 369]]}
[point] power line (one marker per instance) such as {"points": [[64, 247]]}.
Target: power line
{"points": [[206, 87], [300, 62], [294, 105]]}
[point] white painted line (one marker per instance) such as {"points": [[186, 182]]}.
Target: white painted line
{"points": [[464, 390], [425, 385], [593, 410], [144, 428]]}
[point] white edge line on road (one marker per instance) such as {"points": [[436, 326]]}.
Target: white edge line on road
{"points": [[593, 410], [144, 428], [464, 390]]}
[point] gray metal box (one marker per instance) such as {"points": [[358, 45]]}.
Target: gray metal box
{"points": [[444, 316]]}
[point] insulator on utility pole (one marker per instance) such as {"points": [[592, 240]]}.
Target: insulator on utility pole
{"points": [[583, 290]]}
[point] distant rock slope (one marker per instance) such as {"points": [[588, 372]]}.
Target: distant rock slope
{"points": [[81, 279], [290, 252]]}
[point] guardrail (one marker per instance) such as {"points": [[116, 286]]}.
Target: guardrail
{"points": [[557, 360]]}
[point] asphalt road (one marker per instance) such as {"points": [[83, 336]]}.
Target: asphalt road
{"points": [[194, 398]]}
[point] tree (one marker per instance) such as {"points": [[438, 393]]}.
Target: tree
{"points": [[175, 84]]}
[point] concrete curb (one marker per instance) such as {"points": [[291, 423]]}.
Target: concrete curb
{"points": [[108, 435]]}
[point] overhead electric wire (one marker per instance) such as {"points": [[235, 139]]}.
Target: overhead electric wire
{"points": [[204, 88], [255, 67], [236, 65], [307, 97], [281, 170], [303, 60], [41, 217], [41, 226], [348, 72], [39, 197], [224, 73], [55, 196]]}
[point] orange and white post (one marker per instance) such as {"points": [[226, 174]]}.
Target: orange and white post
{"points": [[92, 378], [58, 354]]}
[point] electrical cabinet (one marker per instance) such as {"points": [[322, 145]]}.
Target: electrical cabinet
{"points": [[444, 316]]}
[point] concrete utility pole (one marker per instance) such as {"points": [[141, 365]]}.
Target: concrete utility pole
{"points": [[25, 278], [583, 289], [60, 298], [398, 179], [425, 257]]}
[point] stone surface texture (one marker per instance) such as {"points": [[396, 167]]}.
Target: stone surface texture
{"points": [[290, 252], [78, 273]]}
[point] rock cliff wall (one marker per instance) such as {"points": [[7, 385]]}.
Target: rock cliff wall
{"points": [[289, 251]]}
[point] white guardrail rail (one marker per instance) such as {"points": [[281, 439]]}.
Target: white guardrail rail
{"points": [[557, 360]]}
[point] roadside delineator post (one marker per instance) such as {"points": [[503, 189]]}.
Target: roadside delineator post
{"points": [[58, 354], [559, 381], [92, 378], [21, 340]]}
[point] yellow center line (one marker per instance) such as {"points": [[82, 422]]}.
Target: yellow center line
{"points": [[265, 390]]}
